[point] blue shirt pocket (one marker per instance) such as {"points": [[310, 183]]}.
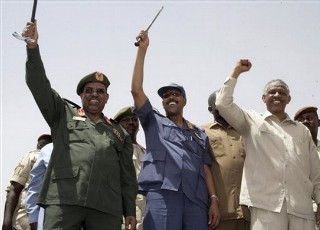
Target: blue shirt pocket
{"points": [[153, 164]]}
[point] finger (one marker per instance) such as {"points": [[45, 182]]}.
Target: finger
{"points": [[216, 221], [244, 62]]}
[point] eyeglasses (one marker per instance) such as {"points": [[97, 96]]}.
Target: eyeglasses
{"points": [[169, 94], [90, 90], [129, 119]]}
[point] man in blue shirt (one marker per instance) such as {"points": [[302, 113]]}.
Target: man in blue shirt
{"points": [[35, 213], [175, 176]]}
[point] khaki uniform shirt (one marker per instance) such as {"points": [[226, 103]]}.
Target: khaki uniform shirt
{"points": [[228, 153], [21, 175], [138, 152], [315, 206]]}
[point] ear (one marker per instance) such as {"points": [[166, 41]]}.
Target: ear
{"points": [[185, 100], [264, 98], [289, 99], [107, 98]]}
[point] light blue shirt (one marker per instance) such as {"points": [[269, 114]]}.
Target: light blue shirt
{"points": [[35, 213]]}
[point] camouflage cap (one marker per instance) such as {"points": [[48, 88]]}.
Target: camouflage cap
{"points": [[126, 111], [307, 109], [92, 77]]}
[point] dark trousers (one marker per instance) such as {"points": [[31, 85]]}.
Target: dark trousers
{"points": [[73, 217], [170, 210]]}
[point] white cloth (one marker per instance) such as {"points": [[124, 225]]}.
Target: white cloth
{"points": [[267, 220]]}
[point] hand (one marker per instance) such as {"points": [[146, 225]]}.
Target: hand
{"points": [[31, 31], [243, 65], [214, 214], [34, 226], [130, 223], [143, 39], [318, 215]]}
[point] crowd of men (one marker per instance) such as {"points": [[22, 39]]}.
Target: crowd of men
{"points": [[243, 170]]}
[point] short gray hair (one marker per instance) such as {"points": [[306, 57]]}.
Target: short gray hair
{"points": [[272, 81]]}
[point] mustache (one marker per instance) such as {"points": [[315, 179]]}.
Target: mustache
{"points": [[172, 100]]}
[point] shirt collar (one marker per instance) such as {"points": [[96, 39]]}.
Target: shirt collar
{"points": [[267, 115], [215, 123]]}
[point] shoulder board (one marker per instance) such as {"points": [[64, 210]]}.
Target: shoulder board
{"points": [[190, 125], [113, 121], [74, 105], [157, 112], [197, 131], [117, 129]]}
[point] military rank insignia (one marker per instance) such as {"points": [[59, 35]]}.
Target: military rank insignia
{"points": [[118, 135], [99, 76], [197, 135]]}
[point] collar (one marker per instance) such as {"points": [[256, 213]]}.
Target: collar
{"points": [[81, 113], [267, 115], [189, 124]]}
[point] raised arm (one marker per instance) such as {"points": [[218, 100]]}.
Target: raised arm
{"points": [[232, 113], [138, 94]]}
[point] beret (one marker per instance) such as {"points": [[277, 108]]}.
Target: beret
{"points": [[303, 110], [93, 77], [163, 89], [126, 111]]}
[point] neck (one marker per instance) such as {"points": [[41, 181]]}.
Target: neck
{"points": [[94, 117], [133, 139], [314, 138], [281, 116], [178, 120]]}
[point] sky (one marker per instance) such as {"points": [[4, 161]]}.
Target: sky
{"points": [[192, 43]]}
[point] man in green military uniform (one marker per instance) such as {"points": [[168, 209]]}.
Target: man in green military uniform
{"points": [[129, 121], [90, 178]]}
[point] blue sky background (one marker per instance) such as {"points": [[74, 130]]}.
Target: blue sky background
{"points": [[193, 43]]}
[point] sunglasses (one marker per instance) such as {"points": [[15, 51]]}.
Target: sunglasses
{"points": [[169, 94], [89, 90]]}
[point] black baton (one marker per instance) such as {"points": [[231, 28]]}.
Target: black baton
{"points": [[34, 9], [138, 40]]}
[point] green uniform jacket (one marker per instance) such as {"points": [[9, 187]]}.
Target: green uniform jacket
{"points": [[91, 164]]}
